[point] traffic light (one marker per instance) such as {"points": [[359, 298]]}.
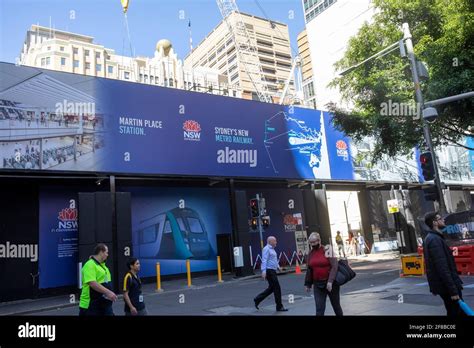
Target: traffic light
{"points": [[427, 166], [254, 208], [266, 221], [254, 223], [431, 193]]}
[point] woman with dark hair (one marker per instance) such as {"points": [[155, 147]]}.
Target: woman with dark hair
{"points": [[132, 290]]}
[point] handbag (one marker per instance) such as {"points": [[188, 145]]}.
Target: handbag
{"points": [[344, 273]]}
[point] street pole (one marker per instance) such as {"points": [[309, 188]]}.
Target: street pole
{"points": [[419, 100], [259, 220], [347, 219]]}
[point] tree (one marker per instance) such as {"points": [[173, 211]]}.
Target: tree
{"points": [[443, 38]]}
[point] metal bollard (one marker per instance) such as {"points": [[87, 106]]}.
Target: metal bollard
{"points": [[158, 277], [188, 271], [219, 271]]}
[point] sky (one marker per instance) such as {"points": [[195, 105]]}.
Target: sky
{"points": [[148, 20]]}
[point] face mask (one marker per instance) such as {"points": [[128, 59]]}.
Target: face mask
{"points": [[315, 246]]}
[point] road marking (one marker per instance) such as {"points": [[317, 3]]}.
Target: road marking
{"points": [[421, 284], [390, 270], [468, 286]]}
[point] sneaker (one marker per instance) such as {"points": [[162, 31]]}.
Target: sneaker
{"points": [[256, 303], [282, 309]]}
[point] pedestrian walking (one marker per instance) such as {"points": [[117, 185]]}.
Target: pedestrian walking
{"points": [[269, 269], [340, 244], [132, 290], [96, 295], [361, 241], [441, 270], [320, 275]]}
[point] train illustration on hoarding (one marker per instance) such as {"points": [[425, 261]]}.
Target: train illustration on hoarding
{"points": [[176, 234]]}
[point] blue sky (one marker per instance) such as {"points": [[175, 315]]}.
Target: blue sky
{"points": [[149, 21]]}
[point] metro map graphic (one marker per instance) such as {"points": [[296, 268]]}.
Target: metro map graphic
{"points": [[285, 131]]}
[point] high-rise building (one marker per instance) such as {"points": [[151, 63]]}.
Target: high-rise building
{"points": [[75, 53], [329, 25], [272, 42], [306, 70]]}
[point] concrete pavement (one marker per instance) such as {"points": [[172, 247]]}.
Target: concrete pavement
{"points": [[377, 289]]}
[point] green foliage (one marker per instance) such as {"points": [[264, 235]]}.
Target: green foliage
{"points": [[443, 38]]}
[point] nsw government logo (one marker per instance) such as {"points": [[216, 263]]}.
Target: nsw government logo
{"points": [[192, 130], [67, 219], [342, 150]]}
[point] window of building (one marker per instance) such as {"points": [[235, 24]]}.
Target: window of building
{"points": [[264, 43], [234, 77], [231, 59], [282, 56], [269, 71], [171, 83], [126, 75], [63, 61], [61, 48], [107, 57], [43, 61], [220, 49], [75, 50], [110, 69], [76, 63], [86, 53], [97, 54], [98, 67], [49, 48], [146, 78], [48, 60], [152, 79], [88, 65]]}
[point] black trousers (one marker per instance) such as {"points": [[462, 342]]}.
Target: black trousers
{"points": [[273, 287], [108, 311], [320, 295], [452, 306]]}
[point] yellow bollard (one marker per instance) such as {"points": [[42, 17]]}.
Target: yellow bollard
{"points": [[219, 272], [188, 271], [158, 277]]}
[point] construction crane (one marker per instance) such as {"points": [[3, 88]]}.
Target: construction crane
{"points": [[246, 52], [295, 65]]}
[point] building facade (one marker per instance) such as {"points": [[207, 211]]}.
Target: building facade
{"points": [[306, 70], [272, 42], [329, 25], [75, 53]]}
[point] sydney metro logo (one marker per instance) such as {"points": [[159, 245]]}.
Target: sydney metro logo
{"points": [[68, 218], [192, 130]]}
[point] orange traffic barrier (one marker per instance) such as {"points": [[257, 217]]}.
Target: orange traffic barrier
{"points": [[298, 268]]}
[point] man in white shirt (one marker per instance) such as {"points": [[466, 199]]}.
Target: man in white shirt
{"points": [[269, 269]]}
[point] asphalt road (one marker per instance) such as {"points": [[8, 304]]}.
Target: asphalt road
{"points": [[236, 297]]}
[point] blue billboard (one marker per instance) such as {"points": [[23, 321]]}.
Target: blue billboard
{"points": [[170, 225], [85, 124], [58, 237]]}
